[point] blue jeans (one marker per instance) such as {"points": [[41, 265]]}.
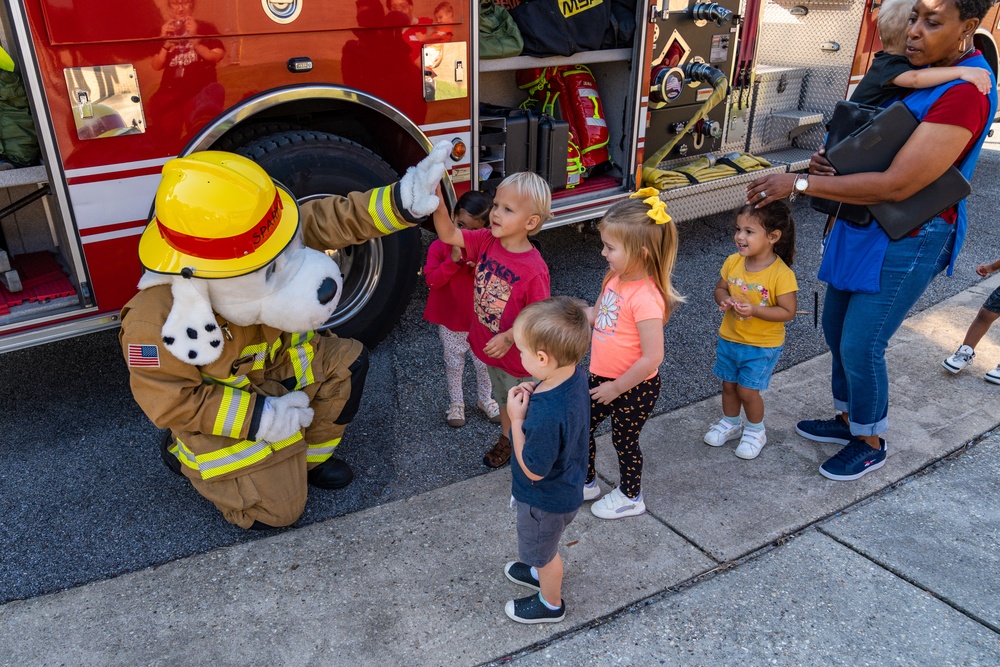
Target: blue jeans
{"points": [[858, 326]]}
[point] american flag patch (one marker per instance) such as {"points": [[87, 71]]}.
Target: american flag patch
{"points": [[143, 355]]}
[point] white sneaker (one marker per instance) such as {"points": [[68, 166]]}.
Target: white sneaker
{"points": [[455, 417], [723, 432], [993, 376], [751, 443], [491, 410], [962, 357], [616, 505], [591, 491]]}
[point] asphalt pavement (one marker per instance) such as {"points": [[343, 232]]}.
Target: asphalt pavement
{"points": [[85, 498], [735, 562]]}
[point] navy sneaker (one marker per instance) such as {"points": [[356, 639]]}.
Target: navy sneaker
{"points": [[854, 461], [520, 573], [531, 610], [825, 430]]}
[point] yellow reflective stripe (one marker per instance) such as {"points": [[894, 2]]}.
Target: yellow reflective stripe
{"points": [[321, 451], [380, 209], [257, 351], [231, 381], [232, 413], [374, 210], [301, 353], [242, 454], [184, 455], [274, 349]]}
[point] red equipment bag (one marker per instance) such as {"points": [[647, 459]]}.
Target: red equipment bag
{"points": [[570, 93]]}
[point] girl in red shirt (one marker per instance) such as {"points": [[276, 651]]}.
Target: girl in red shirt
{"points": [[449, 305]]}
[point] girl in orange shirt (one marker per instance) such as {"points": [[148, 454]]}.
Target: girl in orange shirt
{"points": [[640, 244]]}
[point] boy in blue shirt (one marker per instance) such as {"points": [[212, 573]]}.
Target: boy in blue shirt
{"points": [[550, 431]]}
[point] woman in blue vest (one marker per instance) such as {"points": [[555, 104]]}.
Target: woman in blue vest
{"points": [[872, 281]]}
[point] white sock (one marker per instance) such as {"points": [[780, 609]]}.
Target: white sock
{"points": [[759, 426], [546, 603], [534, 572], [732, 420], [591, 485]]}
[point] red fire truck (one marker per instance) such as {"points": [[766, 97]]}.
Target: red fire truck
{"points": [[337, 96]]}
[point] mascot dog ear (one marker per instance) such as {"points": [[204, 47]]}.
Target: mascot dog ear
{"points": [[190, 332]]}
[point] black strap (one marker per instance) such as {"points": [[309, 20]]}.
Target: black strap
{"points": [[729, 163], [694, 181]]}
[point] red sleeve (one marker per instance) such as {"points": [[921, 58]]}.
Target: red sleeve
{"points": [[961, 105], [439, 268]]}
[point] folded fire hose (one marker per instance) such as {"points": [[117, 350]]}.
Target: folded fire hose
{"points": [[706, 168]]}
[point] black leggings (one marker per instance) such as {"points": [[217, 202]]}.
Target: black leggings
{"points": [[628, 413]]}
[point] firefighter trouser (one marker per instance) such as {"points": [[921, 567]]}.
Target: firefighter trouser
{"points": [[274, 491]]}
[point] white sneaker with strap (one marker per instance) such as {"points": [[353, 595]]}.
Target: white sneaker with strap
{"points": [[455, 417], [722, 432], [751, 443], [616, 505]]}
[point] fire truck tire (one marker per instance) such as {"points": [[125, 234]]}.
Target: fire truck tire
{"points": [[380, 275], [240, 136]]}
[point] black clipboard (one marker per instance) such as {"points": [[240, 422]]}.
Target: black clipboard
{"points": [[873, 147]]}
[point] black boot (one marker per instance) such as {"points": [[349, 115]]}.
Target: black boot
{"points": [[331, 474], [169, 459]]}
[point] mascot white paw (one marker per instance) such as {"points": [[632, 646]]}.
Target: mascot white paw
{"points": [[284, 416], [418, 187]]}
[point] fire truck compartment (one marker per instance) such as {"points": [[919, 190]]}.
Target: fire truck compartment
{"points": [[39, 278], [498, 90]]}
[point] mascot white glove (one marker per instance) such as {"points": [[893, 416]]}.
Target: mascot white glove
{"points": [[284, 416], [418, 187]]}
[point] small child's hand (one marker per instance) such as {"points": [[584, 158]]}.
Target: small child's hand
{"points": [[604, 393], [978, 77], [984, 269], [726, 305], [517, 403], [528, 387], [498, 346], [743, 309]]}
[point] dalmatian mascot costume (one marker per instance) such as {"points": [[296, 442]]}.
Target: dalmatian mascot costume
{"points": [[221, 341]]}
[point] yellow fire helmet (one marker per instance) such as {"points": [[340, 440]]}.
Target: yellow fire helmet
{"points": [[217, 215]]}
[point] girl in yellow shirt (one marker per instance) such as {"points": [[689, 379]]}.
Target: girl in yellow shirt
{"points": [[756, 291]]}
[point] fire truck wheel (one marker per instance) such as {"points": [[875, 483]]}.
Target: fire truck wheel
{"points": [[242, 135], [379, 275]]}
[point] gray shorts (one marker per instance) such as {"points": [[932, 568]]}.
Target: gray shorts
{"points": [[538, 534], [992, 302], [503, 382]]}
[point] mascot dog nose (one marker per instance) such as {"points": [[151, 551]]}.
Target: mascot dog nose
{"points": [[327, 291]]}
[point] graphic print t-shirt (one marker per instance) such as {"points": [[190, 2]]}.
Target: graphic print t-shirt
{"points": [[614, 346], [760, 288], [505, 283]]}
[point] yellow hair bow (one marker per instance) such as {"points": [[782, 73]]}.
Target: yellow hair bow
{"points": [[657, 207]]}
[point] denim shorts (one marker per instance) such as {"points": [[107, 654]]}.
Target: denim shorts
{"points": [[746, 365], [992, 302], [538, 534]]}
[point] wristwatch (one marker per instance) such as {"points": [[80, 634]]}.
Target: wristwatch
{"points": [[801, 183]]}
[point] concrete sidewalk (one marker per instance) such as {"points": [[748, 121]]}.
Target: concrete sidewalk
{"points": [[909, 577]]}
